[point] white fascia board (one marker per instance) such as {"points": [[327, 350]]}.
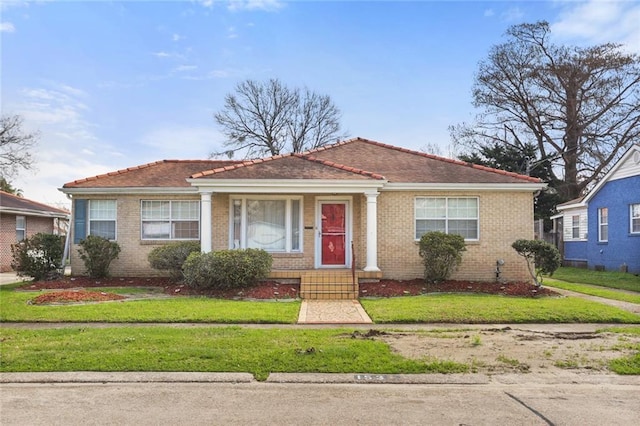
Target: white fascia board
{"points": [[581, 205], [501, 187], [129, 190], [29, 212], [282, 186]]}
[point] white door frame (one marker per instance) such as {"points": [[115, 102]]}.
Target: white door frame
{"points": [[348, 201]]}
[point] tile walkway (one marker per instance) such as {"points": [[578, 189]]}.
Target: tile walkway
{"points": [[332, 312]]}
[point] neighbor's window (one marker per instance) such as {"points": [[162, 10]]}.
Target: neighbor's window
{"points": [[271, 224], [21, 228], [102, 218], [452, 215], [603, 224], [634, 213], [575, 226], [170, 220]]}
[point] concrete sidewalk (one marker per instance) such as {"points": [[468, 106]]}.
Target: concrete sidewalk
{"points": [[332, 312], [11, 277]]}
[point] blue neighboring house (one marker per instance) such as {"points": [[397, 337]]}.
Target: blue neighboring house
{"points": [[602, 229]]}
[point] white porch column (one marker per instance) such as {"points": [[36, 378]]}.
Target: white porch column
{"points": [[372, 231], [205, 222]]}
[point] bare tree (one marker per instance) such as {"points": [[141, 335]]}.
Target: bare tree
{"points": [[15, 146], [269, 118], [579, 106]]}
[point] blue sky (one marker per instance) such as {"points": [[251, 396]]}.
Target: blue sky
{"points": [[111, 85]]}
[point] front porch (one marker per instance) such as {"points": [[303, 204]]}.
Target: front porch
{"points": [[327, 284]]}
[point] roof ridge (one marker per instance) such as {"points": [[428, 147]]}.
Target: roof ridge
{"points": [[341, 166], [430, 156], [51, 208], [240, 165]]}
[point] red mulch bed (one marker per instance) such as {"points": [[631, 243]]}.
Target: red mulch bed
{"points": [[74, 296], [272, 289]]}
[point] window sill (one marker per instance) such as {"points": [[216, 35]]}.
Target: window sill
{"points": [[279, 255]]}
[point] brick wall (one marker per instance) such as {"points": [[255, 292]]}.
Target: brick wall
{"points": [[34, 225], [504, 217]]}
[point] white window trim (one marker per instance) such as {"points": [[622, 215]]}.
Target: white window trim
{"points": [[115, 220], [601, 224], [170, 238], [631, 218], [575, 226], [446, 219], [23, 229], [287, 223]]}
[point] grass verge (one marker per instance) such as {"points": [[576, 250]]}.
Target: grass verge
{"points": [[593, 290], [483, 309], [227, 349], [612, 279]]}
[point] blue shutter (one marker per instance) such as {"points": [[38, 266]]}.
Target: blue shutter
{"points": [[80, 220]]}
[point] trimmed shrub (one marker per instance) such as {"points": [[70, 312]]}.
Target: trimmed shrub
{"points": [[226, 269], [97, 253], [542, 257], [39, 257], [171, 257], [441, 254]]}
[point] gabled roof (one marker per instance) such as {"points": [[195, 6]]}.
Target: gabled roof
{"points": [[353, 162], [165, 173], [632, 156], [291, 166], [12, 204], [366, 158]]}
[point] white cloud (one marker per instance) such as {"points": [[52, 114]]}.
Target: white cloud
{"points": [[173, 141], [489, 12], [7, 27], [513, 14], [161, 54], [596, 21], [183, 68], [177, 37], [265, 5]]}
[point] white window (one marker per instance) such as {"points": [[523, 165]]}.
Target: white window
{"points": [[603, 224], [21, 228], [170, 220], [457, 215], [271, 224], [575, 226], [102, 218], [634, 213]]}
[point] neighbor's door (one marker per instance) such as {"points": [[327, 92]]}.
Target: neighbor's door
{"points": [[333, 233]]}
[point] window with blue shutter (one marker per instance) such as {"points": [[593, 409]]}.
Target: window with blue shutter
{"points": [[80, 220]]}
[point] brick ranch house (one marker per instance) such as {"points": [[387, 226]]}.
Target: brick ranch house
{"points": [[355, 204], [21, 218]]}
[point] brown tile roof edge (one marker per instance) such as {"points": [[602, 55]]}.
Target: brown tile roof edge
{"points": [[249, 163], [130, 169], [37, 205], [423, 154]]}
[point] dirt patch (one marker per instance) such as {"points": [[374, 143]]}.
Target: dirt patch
{"points": [[74, 296], [511, 350]]}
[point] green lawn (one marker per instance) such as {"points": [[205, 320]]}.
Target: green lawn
{"points": [[612, 279], [15, 307], [593, 290], [226, 349], [627, 365], [453, 308]]}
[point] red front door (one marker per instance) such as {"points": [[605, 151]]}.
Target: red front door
{"points": [[333, 234]]}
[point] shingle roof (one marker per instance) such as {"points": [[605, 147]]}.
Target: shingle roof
{"points": [[165, 173], [291, 166], [11, 202], [354, 159], [403, 165]]}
